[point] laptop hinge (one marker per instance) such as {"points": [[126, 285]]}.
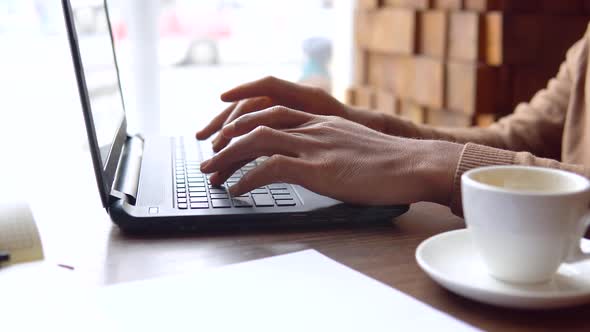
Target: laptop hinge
{"points": [[126, 181]]}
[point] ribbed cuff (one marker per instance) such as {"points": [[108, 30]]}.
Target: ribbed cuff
{"points": [[473, 156]]}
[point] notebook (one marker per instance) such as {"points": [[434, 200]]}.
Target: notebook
{"points": [[18, 233]]}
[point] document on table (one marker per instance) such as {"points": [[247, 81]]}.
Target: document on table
{"points": [[303, 291]]}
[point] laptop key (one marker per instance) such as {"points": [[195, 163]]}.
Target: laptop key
{"points": [[282, 197], [219, 196], [198, 194], [199, 199], [286, 202], [215, 190], [277, 186], [181, 195], [259, 191], [221, 203], [280, 192], [263, 200], [242, 202], [182, 206], [181, 200], [200, 205]]}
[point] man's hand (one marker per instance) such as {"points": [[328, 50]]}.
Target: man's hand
{"points": [[265, 93], [334, 157]]}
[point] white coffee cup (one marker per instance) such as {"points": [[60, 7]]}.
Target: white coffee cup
{"points": [[526, 221]]}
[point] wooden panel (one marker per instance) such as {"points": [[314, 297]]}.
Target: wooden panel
{"points": [[367, 4], [485, 120], [562, 6], [363, 28], [429, 82], [418, 4], [503, 5], [559, 34], [513, 39], [444, 118], [433, 39], [466, 36], [364, 97], [393, 31], [389, 30], [473, 88], [350, 96], [528, 80], [392, 73], [412, 111], [448, 4], [361, 70], [386, 102]]}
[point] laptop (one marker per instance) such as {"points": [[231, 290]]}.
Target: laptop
{"points": [[153, 184]]}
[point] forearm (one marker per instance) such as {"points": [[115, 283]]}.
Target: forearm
{"points": [[391, 125]]}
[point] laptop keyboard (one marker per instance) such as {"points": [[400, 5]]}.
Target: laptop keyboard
{"points": [[193, 190]]}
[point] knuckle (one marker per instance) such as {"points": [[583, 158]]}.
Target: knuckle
{"points": [[332, 118], [263, 132], [270, 79], [319, 92], [275, 165], [279, 111]]}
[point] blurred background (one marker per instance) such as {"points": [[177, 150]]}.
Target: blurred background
{"points": [[175, 58], [436, 62]]}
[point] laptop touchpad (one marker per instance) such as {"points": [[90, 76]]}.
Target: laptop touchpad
{"points": [[156, 173]]}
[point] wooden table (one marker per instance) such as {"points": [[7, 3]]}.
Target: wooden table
{"points": [[83, 237]]}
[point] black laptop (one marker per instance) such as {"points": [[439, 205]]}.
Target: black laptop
{"points": [[153, 184]]}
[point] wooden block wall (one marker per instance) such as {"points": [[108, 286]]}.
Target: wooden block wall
{"points": [[459, 62]]}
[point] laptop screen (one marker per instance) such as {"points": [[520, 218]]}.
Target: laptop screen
{"points": [[100, 71]]}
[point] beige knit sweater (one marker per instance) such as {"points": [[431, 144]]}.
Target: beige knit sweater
{"points": [[552, 130]]}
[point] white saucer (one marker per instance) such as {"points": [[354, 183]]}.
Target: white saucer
{"points": [[453, 262]]}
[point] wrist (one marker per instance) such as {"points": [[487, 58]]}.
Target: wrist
{"points": [[373, 120], [440, 164]]}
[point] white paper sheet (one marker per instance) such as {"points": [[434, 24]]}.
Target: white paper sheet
{"points": [[303, 291]]}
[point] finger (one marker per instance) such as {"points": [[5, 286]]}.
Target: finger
{"points": [[277, 117], [245, 107], [278, 168], [216, 123], [263, 141], [283, 92], [219, 178]]}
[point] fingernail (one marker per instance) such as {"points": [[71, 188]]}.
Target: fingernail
{"points": [[204, 165], [233, 190]]}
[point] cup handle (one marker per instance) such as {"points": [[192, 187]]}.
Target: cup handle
{"points": [[576, 254]]}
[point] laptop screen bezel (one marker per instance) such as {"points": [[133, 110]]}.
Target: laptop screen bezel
{"points": [[105, 173]]}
